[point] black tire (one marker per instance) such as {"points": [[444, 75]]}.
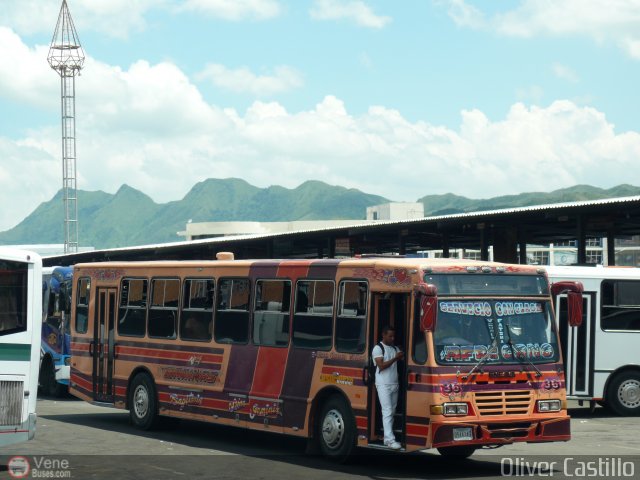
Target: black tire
{"points": [[463, 451], [48, 384], [336, 429], [143, 403], [623, 394]]}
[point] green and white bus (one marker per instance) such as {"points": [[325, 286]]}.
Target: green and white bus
{"points": [[20, 332]]}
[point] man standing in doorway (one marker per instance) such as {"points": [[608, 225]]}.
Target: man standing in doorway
{"points": [[386, 355]]}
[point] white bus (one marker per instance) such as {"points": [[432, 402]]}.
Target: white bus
{"points": [[20, 332], [602, 356]]}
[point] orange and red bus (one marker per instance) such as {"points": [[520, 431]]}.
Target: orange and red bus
{"points": [[285, 346]]}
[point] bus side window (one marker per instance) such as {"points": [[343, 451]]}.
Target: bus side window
{"points": [[231, 321], [82, 305], [351, 322], [620, 305], [196, 316], [132, 314], [271, 313], [313, 317], [163, 311]]}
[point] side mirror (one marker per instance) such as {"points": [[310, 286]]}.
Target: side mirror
{"points": [[428, 295], [574, 300]]}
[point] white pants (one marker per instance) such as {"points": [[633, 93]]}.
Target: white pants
{"points": [[388, 396]]}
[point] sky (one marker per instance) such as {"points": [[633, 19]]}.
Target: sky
{"points": [[395, 98]]}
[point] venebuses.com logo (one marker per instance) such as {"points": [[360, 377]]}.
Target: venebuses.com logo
{"points": [[38, 467]]}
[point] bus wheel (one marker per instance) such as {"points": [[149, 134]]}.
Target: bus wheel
{"points": [[463, 451], [142, 402], [48, 383], [336, 429], [623, 396]]}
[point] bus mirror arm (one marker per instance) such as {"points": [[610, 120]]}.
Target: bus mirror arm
{"points": [[574, 300]]}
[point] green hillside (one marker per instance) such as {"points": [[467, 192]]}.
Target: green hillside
{"points": [[449, 204], [129, 217]]}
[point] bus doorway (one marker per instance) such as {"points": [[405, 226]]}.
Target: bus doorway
{"points": [[388, 309], [103, 345]]}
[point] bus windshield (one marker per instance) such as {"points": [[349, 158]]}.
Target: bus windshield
{"points": [[503, 331]]}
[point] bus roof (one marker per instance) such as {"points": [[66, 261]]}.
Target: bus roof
{"points": [[441, 265]]}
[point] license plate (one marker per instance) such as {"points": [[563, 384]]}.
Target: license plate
{"points": [[460, 434]]}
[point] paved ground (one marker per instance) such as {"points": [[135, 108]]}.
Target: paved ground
{"points": [[99, 443]]}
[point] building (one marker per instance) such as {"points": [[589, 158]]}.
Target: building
{"points": [[387, 211]]}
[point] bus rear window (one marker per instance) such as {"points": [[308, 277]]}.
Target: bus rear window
{"points": [[13, 297]]}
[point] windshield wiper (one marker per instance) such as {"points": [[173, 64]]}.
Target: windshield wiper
{"points": [[513, 350], [494, 344]]}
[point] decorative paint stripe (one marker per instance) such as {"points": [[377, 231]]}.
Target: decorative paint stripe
{"points": [[15, 352], [240, 368], [464, 369], [166, 361], [356, 363], [417, 430], [296, 386], [411, 440], [269, 375], [480, 388], [418, 420], [171, 347], [301, 362], [192, 359]]}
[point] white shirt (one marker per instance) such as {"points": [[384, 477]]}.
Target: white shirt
{"points": [[389, 376]]}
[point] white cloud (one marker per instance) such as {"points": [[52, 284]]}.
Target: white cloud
{"points": [[118, 18], [565, 73], [243, 80], [149, 126], [112, 17], [616, 21], [235, 9], [355, 10]]}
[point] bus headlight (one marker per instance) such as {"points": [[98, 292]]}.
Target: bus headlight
{"points": [[455, 409], [549, 405]]}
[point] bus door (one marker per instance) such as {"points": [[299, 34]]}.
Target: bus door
{"points": [[103, 345], [577, 346], [389, 309]]}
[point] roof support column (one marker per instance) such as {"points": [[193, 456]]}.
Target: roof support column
{"points": [[484, 246], [445, 245], [581, 237], [522, 243], [331, 246], [402, 244], [505, 242], [611, 248]]}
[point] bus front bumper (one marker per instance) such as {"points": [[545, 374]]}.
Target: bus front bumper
{"points": [[501, 433], [19, 433]]}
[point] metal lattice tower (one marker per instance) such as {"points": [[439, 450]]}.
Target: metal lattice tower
{"points": [[67, 57]]}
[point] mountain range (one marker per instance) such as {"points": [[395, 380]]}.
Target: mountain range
{"points": [[130, 217]]}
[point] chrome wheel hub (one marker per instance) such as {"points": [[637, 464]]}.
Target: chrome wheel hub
{"points": [[629, 393], [333, 429], [140, 401]]}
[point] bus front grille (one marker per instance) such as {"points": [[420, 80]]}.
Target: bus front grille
{"points": [[11, 395], [509, 402]]}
